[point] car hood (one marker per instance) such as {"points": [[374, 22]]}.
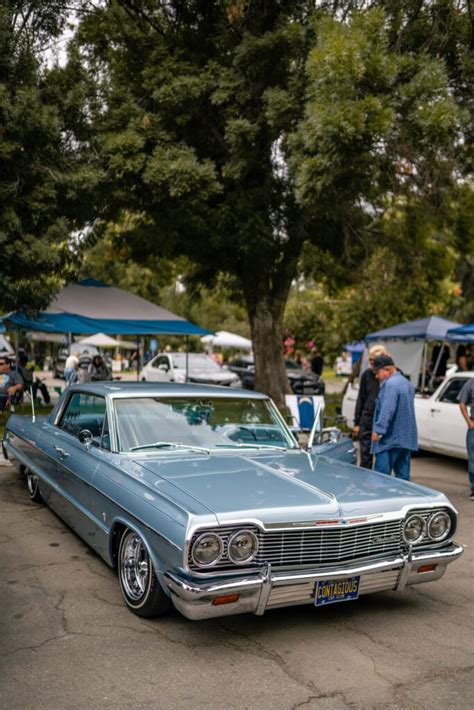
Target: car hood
{"points": [[301, 375], [211, 375], [287, 487]]}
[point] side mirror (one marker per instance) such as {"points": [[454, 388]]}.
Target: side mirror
{"points": [[330, 435], [85, 437], [163, 367]]}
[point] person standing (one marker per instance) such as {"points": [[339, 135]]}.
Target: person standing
{"points": [[365, 407], [466, 399], [316, 362], [394, 434], [70, 366]]}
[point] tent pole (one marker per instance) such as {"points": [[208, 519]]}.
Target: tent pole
{"points": [[138, 357], [435, 368], [423, 366], [17, 354], [187, 357]]}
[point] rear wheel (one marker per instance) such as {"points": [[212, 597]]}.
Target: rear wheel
{"points": [[33, 488], [140, 587]]}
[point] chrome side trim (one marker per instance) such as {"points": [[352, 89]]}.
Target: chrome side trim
{"points": [[94, 519]]}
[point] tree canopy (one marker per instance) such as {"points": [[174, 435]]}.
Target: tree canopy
{"points": [[235, 132], [42, 173]]}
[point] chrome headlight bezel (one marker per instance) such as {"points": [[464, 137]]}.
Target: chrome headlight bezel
{"points": [[231, 541], [447, 532], [198, 540], [422, 529]]}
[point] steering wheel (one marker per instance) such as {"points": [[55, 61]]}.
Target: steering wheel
{"points": [[234, 429]]}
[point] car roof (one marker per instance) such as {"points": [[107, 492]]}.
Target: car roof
{"points": [[154, 389]]}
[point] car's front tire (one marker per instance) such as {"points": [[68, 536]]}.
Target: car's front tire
{"points": [[140, 587], [33, 488]]}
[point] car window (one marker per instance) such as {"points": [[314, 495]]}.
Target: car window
{"points": [[452, 392], [84, 411], [211, 423], [162, 360]]}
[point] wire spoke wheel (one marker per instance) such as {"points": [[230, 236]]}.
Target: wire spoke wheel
{"points": [[140, 587], [33, 488], [135, 567]]}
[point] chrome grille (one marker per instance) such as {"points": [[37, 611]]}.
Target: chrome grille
{"points": [[313, 547]]}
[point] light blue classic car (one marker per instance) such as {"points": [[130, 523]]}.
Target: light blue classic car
{"points": [[202, 499]]}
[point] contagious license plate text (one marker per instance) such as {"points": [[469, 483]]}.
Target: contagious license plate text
{"points": [[329, 591]]}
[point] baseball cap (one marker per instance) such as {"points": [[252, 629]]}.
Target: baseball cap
{"points": [[383, 361]]}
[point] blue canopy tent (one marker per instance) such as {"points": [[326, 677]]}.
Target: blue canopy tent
{"points": [[464, 334], [356, 349], [431, 328], [92, 306], [417, 332]]}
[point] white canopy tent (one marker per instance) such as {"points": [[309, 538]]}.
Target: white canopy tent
{"points": [[224, 339], [101, 340]]}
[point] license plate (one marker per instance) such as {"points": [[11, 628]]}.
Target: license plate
{"points": [[329, 591]]}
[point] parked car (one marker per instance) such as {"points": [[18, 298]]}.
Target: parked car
{"points": [[202, 369], [301, 382], [441, 426], [85, 354], [202, 500]]}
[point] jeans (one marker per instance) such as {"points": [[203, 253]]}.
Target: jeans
{"points": [[470, 456], [397, 460]]}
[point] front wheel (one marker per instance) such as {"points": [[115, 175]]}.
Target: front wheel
{"points": [[33, 488], [140, 587]]}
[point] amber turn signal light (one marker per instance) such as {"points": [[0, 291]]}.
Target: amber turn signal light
{"points": [[228, 599], [426, 568]]}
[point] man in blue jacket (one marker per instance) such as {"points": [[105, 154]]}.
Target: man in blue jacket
{"points": [[394, 434]]}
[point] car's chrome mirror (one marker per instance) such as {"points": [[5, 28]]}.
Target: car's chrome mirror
{"points": [[330, 435], [85, 437], [163, 367]]}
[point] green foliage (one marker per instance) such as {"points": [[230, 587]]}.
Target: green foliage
{"points": [[39, 175], [235, 133]]}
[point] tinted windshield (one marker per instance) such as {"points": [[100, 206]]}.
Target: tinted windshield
{"points": [[197, 361], [210, 423]]}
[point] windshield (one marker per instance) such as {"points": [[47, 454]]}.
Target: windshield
{"points": [[197, 361], [211, 423]]}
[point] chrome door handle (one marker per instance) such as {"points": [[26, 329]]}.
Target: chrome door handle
{"points": [[435, 410], [63, 454]]}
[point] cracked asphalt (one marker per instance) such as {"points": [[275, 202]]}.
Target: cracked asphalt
{"points": [[67, 640]]}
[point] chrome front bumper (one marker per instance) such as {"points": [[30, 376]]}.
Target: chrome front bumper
{"points": [[269, 590]]}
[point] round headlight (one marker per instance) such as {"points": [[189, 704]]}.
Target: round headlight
{"points": [[439, 526], [207, 550], [242, 547], [413, 529]]}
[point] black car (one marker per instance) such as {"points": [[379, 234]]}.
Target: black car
{"points": [[301, 382]]}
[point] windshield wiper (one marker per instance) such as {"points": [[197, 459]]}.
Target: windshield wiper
{"points": [[172, 444], [251, 446]]}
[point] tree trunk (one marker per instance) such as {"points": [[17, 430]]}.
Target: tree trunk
{"points": [[266, 323]]}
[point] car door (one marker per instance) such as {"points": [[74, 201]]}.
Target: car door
{"points": [[78, 461], [447, 425]]}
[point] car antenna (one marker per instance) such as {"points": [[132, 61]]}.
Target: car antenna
{"points": [[33, 415]]}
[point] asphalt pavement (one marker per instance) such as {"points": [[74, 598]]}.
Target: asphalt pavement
{"points": [[68, 642]]}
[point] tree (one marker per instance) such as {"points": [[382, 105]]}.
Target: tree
{"points": [[235, 132], [40, 175]]}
